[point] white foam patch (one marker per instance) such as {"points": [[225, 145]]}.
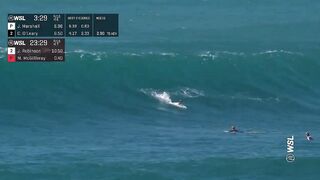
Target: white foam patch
{"points": [[212, 55], [168, 54], [98, 58], [131, 54], [208, 55], [163, 97]]}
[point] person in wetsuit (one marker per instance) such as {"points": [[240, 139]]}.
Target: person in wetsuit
{"points": [[233, 129], [308, 136]]}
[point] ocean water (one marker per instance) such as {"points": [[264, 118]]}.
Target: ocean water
{"points": [[109, 111]]}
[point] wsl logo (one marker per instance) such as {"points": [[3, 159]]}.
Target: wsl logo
{"points": [[290, 149]]}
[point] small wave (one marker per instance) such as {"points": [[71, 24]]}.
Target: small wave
{"points": [[185, 92], [170, 54], [205, 55], [257, 99], [281, 51], [83, 53], [231, 53], [190, 93], [131, 54], [141, 54], [212, 55]]}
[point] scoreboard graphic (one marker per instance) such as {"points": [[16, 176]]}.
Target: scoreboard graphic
{"points": [[41, 37]]}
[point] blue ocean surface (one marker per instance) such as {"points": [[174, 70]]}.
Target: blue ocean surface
{"points": [[111, 110]]}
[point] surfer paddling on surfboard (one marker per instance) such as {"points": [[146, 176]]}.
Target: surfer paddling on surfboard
{"points": [[308, 136], [233, 129]]}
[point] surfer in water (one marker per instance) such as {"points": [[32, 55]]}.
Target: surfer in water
{"points": [[233, 129], [308, 136]]}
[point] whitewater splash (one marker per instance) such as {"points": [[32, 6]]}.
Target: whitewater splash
{"points": [[164, 97]]}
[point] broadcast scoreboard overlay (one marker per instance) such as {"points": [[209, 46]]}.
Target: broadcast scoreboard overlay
{"points": [[41, 37]]}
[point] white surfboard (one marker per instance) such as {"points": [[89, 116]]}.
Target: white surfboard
{"points": [[177, 104], [309, 138]]}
